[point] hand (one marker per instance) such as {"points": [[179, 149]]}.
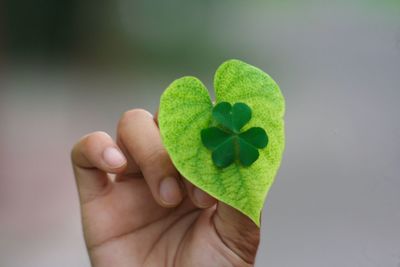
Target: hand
{"points": [[148, 215]]}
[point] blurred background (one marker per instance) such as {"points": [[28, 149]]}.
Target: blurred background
{"points": [[71, 67]]}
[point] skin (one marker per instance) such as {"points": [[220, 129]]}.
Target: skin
{"points": [[146, 214]]}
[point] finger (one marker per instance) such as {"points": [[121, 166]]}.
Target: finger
{"points": [[199, 198], [140, 135], [93, 157], [132, 169], [237, 231]]}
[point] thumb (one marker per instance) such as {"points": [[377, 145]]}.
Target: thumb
{"points": [[237, 231]]}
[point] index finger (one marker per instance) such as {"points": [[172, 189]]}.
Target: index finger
{"points": [[140, 137]]}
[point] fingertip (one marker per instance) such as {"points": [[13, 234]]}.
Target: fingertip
{"points": [[114, 159], [170, 192]]}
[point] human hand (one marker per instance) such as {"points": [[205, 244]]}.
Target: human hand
{"points": [[148, 215]]}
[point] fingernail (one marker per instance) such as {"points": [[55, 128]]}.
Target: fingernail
{"points": [[113, 157], [201, 197], [151, 115], [170, 191]]}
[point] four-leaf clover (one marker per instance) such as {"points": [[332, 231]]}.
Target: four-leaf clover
{"points": [[226, 141]]}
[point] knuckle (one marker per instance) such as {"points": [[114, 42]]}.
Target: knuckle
{"points": [[157, 156], [130, 115]]}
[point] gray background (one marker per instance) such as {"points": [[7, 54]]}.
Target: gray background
{"points": [[336, 199]]}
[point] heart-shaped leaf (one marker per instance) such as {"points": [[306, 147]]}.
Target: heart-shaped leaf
{"points": [[186, 111]]}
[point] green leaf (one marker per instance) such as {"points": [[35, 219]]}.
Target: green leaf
{"points": [[186, 109], [224, 154], [212, 137], [222, 113], [247, 153], [232, 117], [255, 136], [241, 114], [244, 145]]}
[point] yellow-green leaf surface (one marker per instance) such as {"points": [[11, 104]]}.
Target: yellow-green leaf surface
{"points": [[186, 109]]}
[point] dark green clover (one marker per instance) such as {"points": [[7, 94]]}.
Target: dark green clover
{"points": [[227, 142]]}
